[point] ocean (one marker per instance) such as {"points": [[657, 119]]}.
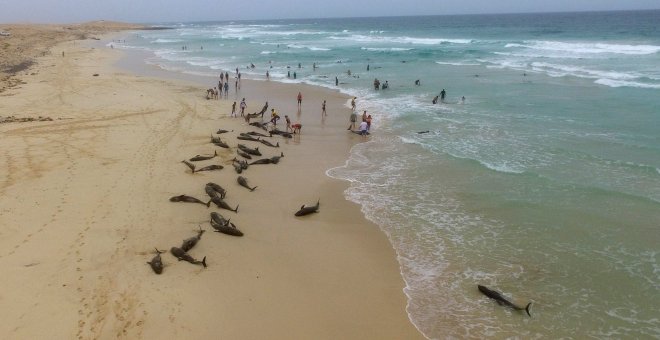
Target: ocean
{"points": [[543, 183]]}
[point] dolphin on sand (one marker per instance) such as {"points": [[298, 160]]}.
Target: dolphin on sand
{"points": [[228, 228], [188, 199], [243, 154], [182, 255], [308, 210], [189, 243], [276, 159], [156, 263], [222, 204], [213, 190], [203, 158], [211, 167], [243, 182], [190, 165], [254, 151]]}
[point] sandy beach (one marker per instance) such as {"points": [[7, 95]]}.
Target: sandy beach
{"points": [[85, 201]]}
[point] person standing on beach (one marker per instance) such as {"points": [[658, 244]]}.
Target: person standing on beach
{"points": [[336, 81], [288, 123], [353, 118], [353, 103], [323, 113], [299, 99], [267, 75], [243, 106], [233, 109], [442, 95], [368, 120], [226, 89]]}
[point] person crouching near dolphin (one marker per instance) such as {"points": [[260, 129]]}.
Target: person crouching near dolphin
{"points": [[363, 128], [274, 117]]}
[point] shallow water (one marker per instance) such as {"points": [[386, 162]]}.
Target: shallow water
{"points": [[544, 184]]}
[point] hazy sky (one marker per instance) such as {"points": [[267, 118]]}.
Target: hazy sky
{"points": [[147, 11]]}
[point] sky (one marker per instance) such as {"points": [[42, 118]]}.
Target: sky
{"points": [[154, 11]]}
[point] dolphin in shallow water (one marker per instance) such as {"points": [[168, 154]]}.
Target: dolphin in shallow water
{"points": [[501, 300]]}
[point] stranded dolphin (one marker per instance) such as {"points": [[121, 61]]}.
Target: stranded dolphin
{"points": [[308, 210], [182, 255], [156, 263], [211, 167], [222, 204], [203, 158], [243, 182], [501, 300], [188, 199], [189, 243], [190, 165], [226, 228], [213, 190]]}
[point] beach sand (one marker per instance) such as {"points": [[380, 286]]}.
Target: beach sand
{"points": [[85, 200]]}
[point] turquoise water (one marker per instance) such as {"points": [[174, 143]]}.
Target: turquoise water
{"points": [[544, 184]]}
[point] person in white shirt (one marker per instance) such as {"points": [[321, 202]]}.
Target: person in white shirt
{"points": [[363, 128]]}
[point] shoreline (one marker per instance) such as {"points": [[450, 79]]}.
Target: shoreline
{"points": [[103, 200]]}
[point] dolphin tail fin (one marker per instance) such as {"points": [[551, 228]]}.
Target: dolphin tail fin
{"points": [[251, 191], [278, 144], [527, 309], [215, 153], [208, 204], [159, 251], [236, 210], [281, 153], [204, 262]]}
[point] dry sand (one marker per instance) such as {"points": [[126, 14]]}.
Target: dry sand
{"points": [[85, 202]]}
